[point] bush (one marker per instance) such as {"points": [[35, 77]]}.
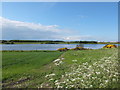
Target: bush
{"points": [[79, 48], [63, 49], [110, 46]]}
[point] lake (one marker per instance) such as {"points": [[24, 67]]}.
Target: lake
{"points": [[46, 46]]}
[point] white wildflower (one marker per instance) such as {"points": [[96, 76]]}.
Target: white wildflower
{"points": [[91, 85], [106, 81], [56, 60], [56, 81], [97, 72], [51, 79], [47, 76], [74, 60], [73, 80], [53, 74]]}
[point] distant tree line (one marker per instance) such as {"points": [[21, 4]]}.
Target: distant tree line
{"points": [[35, 41], [88, 42], [40, 41], [44, 41], [52, 42], [25, 41], [6, 42]]}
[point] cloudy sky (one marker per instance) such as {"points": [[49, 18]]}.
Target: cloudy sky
{"points": [[60, 21]]}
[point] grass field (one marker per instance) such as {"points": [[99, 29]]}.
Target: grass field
{"points": [[71, 69], [16, 64]]}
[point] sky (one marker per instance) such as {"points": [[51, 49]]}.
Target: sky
{"points": [[60, 0], [60, 21]]}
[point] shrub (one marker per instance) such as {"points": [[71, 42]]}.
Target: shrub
{"points": [[110, 46], [63, 49], [79, 48]]}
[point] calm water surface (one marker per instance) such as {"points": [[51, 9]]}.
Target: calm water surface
{"points": [[46, 46]]}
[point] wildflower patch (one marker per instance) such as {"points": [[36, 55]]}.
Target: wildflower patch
{"points": [[102, 73]]}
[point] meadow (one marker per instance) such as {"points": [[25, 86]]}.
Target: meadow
{"points": [[53, 69]]}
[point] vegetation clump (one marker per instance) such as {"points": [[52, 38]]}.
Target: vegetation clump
{"points": [[79, 48], [63, 49], [110, 46], [7, 42]]}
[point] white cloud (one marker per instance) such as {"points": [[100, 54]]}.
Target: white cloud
{"points": [[12, 29], [33, 26]]}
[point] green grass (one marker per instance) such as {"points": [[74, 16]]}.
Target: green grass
{"points": [[101, 64], [16, 63], [89, 56], [38, 70]]}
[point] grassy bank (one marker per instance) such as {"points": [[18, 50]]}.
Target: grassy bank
{"points": [[71, 69]]}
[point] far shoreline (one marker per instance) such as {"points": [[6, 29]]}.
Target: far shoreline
{"points": [[53, 42], [57, 43]]}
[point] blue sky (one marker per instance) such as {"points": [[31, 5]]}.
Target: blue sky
{"points": [[60, 21]]}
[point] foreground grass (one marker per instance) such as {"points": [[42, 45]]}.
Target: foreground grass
{"points": [[73, 69], [16, 64], [87, 69]]}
